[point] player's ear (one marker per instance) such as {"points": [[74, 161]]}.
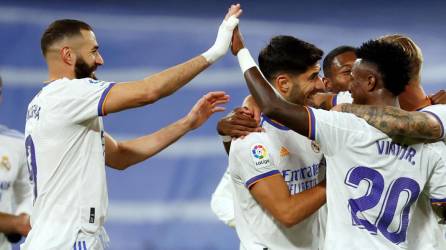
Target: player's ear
{"points": [[67, 55], [326, 82], [283, 83], [371, 82]]}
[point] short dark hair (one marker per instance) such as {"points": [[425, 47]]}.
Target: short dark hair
{"points": [[392, 62], [61, 29], [287, 54], [328, 60]]}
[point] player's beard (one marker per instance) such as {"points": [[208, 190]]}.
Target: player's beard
{"points": [[83, 70]]}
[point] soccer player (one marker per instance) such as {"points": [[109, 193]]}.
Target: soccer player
{"points": [[66, 146], [15, 187], [337, 67], [277, 174], [425, 232], [372, 182], [242, 121]]}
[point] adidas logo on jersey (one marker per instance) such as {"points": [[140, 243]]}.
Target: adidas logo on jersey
{"points": [[284, 151]]}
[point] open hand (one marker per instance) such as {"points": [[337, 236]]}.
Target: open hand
{"points": [[224, 35], [205, 107], [235, 10]]}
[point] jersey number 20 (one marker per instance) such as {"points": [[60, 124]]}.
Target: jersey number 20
{"points": [[407, 186]]}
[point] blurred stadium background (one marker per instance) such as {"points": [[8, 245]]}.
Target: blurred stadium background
{"points": [[164, 202]]}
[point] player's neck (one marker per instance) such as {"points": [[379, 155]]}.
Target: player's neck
{"points": [[55, 73], [413, 97], [382, 97]]}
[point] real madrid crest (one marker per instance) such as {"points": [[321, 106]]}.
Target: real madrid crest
{"points": [[5, 163], [316, 148]]}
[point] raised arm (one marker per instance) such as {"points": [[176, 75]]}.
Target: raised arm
{"points": [[152, 88], [122, 154], [272, 104], [396, 122]]}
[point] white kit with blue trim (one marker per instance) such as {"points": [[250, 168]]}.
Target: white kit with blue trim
{"points": [[373, 183], [64, 140], [258, 156]]}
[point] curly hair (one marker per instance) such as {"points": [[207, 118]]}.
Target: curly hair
{"points": [[287, 54], [392, 62]]}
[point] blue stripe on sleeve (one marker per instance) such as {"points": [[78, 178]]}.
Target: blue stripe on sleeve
{"points": [[439, 120], [103, 96], [334, 101], [258, 177], [312, 125]]}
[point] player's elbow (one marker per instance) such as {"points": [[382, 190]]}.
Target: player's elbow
{"points": [[118, 165], [149, 96], [286, 217], [287, 220]]}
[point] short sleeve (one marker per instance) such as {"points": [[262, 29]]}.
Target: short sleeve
{"points": [[85, 98], [436, 185], [222, 201], [333, 130], [439, 112], [251, 160]]}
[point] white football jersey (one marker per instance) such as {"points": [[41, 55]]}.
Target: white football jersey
{"points": [[15, 186], [425, 233], [439, 112], [65, 151], [259, 155], [372, 183], [342, 97], [222, 200]]}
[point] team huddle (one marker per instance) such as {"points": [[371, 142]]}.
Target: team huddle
{"points": [[355, 160]]}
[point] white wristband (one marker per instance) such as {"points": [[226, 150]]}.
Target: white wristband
{"points": [[226, 138], [245, 60], [223, 40]]}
